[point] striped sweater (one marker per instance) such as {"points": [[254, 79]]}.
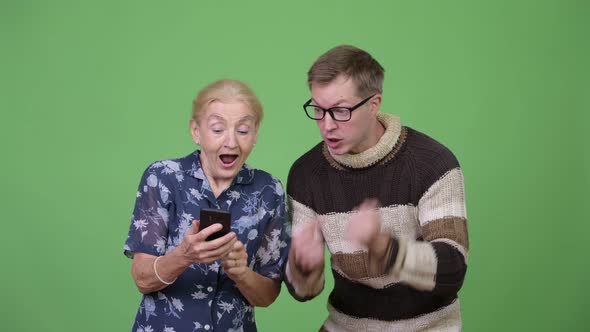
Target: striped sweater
{"points": [[419, 185]]}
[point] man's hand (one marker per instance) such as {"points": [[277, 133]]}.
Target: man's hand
{"points": [[307, 247], [364, 229]]}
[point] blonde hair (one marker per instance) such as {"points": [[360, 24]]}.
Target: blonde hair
{"points": [[227, 91], [352, 62]]}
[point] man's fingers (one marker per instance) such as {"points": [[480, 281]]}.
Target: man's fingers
{"points": [[317, 231], [349, 233], [369, 204], [308, 232]]}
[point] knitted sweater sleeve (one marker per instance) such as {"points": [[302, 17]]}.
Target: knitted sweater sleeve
{"points": [[301, 286], [438, 261]]}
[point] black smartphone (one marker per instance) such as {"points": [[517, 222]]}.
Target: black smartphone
{"points": [[209, 217]]}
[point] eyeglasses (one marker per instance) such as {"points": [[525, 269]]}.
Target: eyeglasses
{"points": [[337, 113]]}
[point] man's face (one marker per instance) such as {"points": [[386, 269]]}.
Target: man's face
{"points": [[355, 135]]}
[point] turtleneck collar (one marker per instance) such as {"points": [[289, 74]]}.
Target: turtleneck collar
{"points": [[385, 145]]}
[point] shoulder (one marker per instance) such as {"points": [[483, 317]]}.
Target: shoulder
{"points": [[309, 162], [266, 182], [167, 170], [304, 174], [167, 166], [430, 160], [425, 150]]}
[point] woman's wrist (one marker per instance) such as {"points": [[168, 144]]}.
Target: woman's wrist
{"points": [[155, 267], [178, 258], [244, 277]]}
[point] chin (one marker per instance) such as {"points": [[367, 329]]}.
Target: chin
{"points": [[338, 151], [230, 174]]}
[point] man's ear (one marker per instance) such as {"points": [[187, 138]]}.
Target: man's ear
{"points": [[375, 104], [195, 133]]}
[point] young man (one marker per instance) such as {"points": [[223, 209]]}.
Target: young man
{"points": [[386, 199]]}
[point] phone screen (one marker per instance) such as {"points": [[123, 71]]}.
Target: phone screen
{"points": [[209, 217]]}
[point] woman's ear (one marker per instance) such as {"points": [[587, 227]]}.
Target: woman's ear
{"points": [[195, 131]]}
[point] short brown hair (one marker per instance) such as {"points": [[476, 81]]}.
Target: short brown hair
{"points": [[351, 62], [227, 91]]}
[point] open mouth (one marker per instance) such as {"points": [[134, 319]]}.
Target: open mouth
{"points": [[333, 142], [228, 160]]}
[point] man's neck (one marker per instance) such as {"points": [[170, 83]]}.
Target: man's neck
{"points": [[375, 135]]}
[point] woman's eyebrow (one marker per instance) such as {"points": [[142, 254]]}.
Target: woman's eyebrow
{"points": [[216, 117], [246, 118]]}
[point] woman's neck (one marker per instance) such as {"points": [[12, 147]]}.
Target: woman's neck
{"points": [[217, 186]]}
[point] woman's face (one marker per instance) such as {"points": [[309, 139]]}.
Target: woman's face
{"points": [[227, 133]]}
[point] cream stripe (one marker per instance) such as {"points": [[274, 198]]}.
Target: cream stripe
{"points": [[299, 214], [419, 267], [446, 319], [396, 220], [445, 198]]}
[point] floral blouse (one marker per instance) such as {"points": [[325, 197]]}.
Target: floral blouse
{"points": [[203, 298]]}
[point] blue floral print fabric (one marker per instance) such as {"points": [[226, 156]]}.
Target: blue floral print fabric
{"points": [[170, 195]]}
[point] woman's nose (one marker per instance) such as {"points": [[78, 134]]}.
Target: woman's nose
{"points": [[231, 140]]}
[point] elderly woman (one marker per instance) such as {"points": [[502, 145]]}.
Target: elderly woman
{"points": [[189, 283]]}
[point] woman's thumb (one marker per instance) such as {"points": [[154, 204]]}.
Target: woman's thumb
{"points": [[195, 227]]}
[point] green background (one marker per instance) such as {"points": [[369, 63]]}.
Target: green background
{"points": [[92, 92]]}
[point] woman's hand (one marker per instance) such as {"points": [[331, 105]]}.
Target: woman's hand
{"points": [[195, 249], [235, 263], [260, 291]]}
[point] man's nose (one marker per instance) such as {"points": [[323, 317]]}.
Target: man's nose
{"points": [[329, 122]]}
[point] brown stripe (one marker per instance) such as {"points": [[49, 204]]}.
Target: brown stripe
{"points": [[357, 265], [452, 228]]}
